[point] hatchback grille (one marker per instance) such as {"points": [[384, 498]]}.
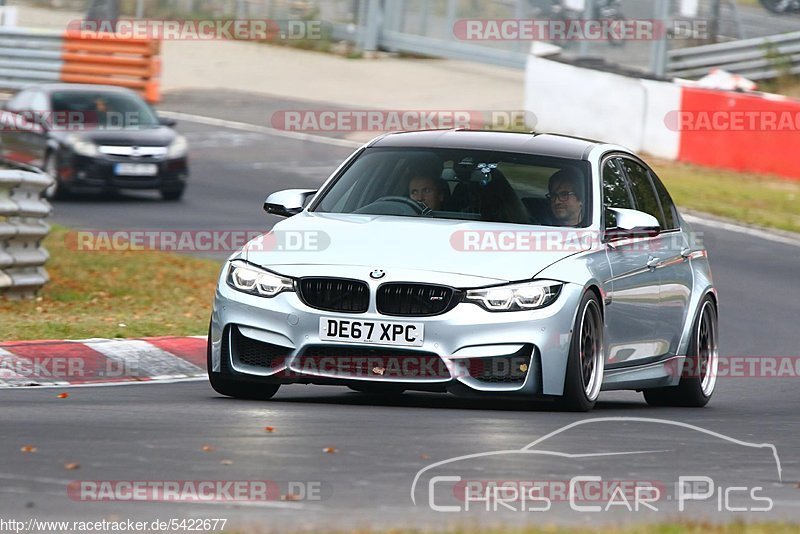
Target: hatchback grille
{"points": [[375, 363], [335, 294], [403, 299]]}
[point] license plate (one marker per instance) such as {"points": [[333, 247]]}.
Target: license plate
{"points": [[136, 169], [381, 332]]}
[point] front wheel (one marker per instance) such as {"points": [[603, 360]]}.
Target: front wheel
{"points": [[699, 375], [586, 363], [237, 389], [55, 190], [172, 194]]}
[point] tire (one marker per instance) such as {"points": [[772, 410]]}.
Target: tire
{"points": [[237, 389], [56, 190], [388, 390], [779, 6], [172, 194], [586, 362], [699, 375]]}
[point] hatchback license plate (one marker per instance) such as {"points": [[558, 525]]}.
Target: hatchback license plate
{"points": [[136, 169], [379, 332]]}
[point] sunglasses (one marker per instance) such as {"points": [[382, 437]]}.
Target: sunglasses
{"points": [[563, 196]]}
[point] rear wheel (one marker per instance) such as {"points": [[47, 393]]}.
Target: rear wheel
{"points": [[586, 363], [699, 376], [231, 387]]}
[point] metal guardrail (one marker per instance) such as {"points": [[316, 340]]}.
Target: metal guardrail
{"points": [[761, 58], [29, 56], [22, 229]]}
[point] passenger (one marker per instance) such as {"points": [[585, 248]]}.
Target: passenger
{"points": [[566, 197]]}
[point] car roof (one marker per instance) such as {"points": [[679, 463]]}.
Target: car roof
{"points": [[525, 143], [80, 88]]}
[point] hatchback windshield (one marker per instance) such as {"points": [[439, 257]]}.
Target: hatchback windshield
{"points": [[107, 110], [463, 184]]}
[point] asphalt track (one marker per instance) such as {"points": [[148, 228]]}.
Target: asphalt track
{"points": [[158, 432]]}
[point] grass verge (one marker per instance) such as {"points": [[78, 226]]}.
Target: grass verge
{"points": [[754, 199], [113, 294]]}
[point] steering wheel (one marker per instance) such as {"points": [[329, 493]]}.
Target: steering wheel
{"points": [[418, 208]]}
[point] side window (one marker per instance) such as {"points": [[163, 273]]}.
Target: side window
{"points": [[642, 188], [615, 192], [667, 205]]}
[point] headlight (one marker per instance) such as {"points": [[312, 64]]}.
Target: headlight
{"points": [[516, 297], [250, 279], [178, 148], [82, 147]]}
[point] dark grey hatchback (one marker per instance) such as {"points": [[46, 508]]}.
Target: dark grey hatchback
{"points": [[94, 138]]}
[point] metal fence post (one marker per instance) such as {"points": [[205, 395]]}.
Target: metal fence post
{"points": [[588, 14], [659, 52], [373, 28]]}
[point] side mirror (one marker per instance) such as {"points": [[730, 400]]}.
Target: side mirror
{"points": [[165, 121], [289, 202], [632, 223]]}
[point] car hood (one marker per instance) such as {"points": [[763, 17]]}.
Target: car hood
{"points": [[152, 136], [312, 244]]}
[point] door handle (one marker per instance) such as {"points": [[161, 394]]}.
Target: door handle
{"points": [[686, 253], [652, 263]]}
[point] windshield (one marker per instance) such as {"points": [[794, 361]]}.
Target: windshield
{"points": [[105, 110], [463, 184]]}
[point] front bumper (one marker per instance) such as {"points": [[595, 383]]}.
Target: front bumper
{"points": [[286, 332], [98, 173]]}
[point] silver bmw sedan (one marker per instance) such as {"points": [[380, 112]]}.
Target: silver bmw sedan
{"points": [[477, 263]]}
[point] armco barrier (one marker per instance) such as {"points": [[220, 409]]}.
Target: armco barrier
{"points": [[747, 132], [22, 230], [30, 56]]}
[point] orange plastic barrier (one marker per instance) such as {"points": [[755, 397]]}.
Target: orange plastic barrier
{"points": [[742, 132], [106, 59]]}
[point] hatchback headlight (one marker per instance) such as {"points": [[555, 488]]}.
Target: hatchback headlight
{"points": [[82, 147], [516, 297], [250, 279], [178, 148]]}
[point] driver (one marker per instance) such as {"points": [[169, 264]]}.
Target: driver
{"points": [[427, 189]]}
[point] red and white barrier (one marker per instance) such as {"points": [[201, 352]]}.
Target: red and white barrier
{"points": [[746, 132]]}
